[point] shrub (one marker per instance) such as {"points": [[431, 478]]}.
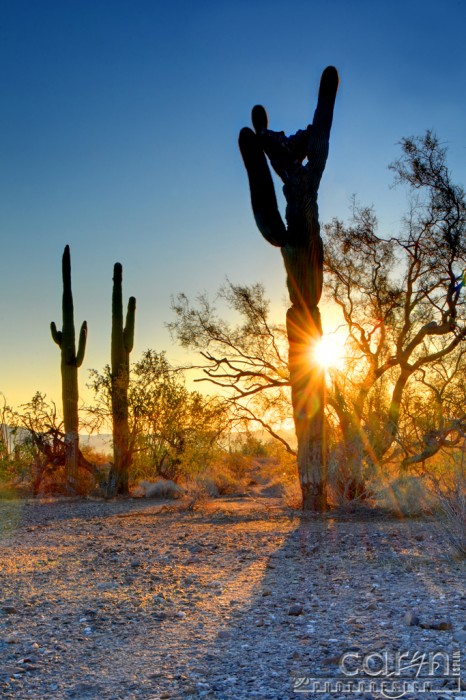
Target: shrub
{"points": [[452, 509], [406, 496]]}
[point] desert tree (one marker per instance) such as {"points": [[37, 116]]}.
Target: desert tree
{"points": [[241, 352], [401, 393], [402, 302], [171, 430]]}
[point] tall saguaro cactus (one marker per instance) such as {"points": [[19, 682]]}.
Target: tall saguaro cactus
{"points": [[70, 361], [122, 344], [299, 160]]}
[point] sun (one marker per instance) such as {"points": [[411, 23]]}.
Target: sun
{"points": [[328, 352]]}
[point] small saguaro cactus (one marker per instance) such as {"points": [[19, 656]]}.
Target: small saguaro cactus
{"points": [[299, 160], [70, 361], [122, 345]]}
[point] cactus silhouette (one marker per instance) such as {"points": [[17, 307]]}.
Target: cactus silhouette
{"points": [[122, 344], [70, 361], [299, 160]]}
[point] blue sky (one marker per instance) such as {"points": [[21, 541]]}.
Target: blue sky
{"points": [[118, 136]]}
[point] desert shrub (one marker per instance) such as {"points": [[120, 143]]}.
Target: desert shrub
{"points": [[96, 456], [162, 488], [406, 496], [234, 463], [174, 432], [203, 486], [227, 475], [451, 507], [16, 450], [293, 496], [251, 445], [281, 463], [226, 483]]}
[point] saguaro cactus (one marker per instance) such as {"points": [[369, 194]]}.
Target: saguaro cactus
{"points": [[70, 361], [299, 160], [122, 344]]}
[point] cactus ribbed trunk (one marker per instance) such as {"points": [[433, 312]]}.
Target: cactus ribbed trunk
{"points": [[122, 344], [70, 398], [302, 251], [70, 361], [308, 399]]}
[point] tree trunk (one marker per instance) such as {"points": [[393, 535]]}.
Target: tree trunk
{"points": [[391, 425]]}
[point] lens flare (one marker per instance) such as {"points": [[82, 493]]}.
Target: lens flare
{"points": [[328, 352]]}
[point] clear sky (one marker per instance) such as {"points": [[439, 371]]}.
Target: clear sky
{"points": [[118, 136]]}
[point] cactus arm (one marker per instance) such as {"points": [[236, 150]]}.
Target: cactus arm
{"points": [[56, 334], [318, 145], [323, 116], [259, 118], [67, 299], [128, 333], [117, 318], [81, 344], [263, 198]]}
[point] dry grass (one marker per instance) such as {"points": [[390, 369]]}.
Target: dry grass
{"points": [[452, 511], [406, 496]]}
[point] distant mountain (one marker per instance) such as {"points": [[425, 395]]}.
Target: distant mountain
{"points": [[99, 443]]}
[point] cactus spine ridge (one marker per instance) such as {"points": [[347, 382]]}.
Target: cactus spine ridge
{"points": [[70, 361], [299, 160], [122, 341]]}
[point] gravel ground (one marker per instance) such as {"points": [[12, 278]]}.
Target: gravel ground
{"points": [[132, 599]]}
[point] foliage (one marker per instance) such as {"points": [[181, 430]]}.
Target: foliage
{"points": [[452, 507], [171, 430], [247, 360], [15, 452], [40, 449], [405, 496], [400, 395], [405, 316]]}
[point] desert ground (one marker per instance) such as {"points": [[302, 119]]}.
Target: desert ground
{"points": [[229, 599]]}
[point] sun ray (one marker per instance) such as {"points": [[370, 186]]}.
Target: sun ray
{"points": [[328, 352]]}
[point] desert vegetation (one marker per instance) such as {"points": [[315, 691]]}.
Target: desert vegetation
{"points": [[394, 396]]}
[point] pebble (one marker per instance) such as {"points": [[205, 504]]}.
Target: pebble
{"points": [[460, 637], [12, 639], [224, 634], [295, 609], [107, 586], [411, 619], [443, 625]]}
